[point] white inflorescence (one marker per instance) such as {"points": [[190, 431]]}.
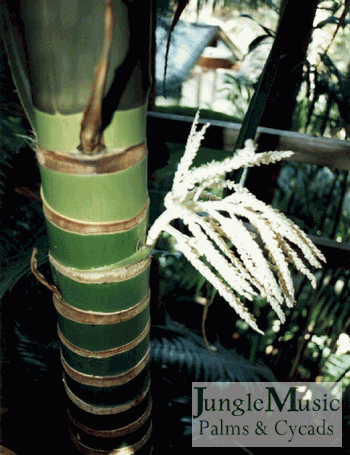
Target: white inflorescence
{"points": [[239, 261]]}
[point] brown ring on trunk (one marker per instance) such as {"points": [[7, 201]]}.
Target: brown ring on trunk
{"points": [[101, 276], [105, 410], [109, 352], [89, 227], [133, 426], [106, 381], [104, 163], [97, 318], [129, 450]]}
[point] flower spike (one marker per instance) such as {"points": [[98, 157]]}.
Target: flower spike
{"points": [[256, 264]]}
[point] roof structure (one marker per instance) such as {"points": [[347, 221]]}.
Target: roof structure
{"points": [[187, 43]]}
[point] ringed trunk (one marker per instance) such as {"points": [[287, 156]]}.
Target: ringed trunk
{"points": [[82, 72]]}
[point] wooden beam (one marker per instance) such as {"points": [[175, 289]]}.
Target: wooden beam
{"points": [[323, 151]]}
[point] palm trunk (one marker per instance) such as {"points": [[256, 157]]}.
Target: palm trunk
{"points": [[95, 200], [289, 51]]}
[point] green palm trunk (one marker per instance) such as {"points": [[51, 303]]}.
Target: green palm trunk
{"points": [[92, 154]]}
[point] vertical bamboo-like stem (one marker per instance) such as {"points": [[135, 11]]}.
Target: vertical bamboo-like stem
{"points": [[103, 299], [95, 201]]}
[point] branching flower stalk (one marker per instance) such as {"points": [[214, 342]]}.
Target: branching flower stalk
{"points": [[235, 260]]}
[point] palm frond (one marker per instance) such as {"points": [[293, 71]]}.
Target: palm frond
{"points": [[181, 350]]}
